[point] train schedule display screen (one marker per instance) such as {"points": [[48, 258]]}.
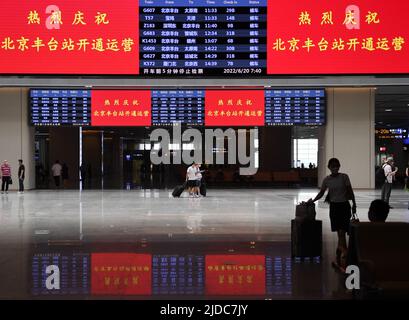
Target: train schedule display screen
{"points": [[73, 271], [178, 275], [167, 107], [385, 133], [202, 37], [60, 107], [178, 106], [294, 107]]}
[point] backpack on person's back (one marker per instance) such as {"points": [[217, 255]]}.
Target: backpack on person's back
{"points": [[380, 174]]}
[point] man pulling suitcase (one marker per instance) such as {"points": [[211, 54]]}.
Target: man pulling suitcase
{"points": [[177, 192]]}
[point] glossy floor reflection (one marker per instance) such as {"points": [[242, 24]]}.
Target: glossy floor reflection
{"points": [[171, 270], [146, 244]]}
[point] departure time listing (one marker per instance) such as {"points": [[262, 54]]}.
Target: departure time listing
{"points": [[202, 37]]}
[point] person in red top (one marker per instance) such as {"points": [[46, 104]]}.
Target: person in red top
{"points": [[5, 172]]}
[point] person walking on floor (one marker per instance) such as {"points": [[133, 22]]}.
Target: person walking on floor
{"points": [[389, 176], [21, 176], [5, 173], [56, 170], [192, 182], [339, 193]]}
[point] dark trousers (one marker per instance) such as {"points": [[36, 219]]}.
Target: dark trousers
{"points": [[386, 191], [57, 181], [21, 185], [5, 183]]}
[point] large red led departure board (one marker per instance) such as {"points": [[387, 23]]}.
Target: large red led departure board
{"points": [[204, 38]]}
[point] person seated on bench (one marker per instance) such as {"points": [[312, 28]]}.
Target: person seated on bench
{"points": [[378, 211]]}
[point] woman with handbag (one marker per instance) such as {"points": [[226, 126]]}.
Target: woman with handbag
{"points": [[339, 193], [5, 171]]}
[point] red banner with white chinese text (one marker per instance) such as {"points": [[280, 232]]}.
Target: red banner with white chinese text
{"points": [[235, 275], [121, 274], [337, 37], [121, 108], [234, 108]]}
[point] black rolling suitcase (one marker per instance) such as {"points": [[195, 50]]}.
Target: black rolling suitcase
{"points": [[306, 238], [178, 190]]}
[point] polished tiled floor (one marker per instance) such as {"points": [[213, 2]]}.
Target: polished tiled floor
{"points": [[100, 215], [151, 221]]}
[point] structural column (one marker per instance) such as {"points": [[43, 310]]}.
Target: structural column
{"points": [[349, 135], [16, 135]]}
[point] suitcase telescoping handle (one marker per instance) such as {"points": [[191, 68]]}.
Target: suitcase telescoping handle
{"points": [[306, 203]]}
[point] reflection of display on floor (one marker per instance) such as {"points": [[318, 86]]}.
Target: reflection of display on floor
{"points": [[255, 269]]}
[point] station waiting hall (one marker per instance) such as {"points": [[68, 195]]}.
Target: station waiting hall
{"points": [[204, 151]]}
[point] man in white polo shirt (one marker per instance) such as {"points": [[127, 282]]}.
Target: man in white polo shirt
{"points": [[191, 179], [56, 171]]}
